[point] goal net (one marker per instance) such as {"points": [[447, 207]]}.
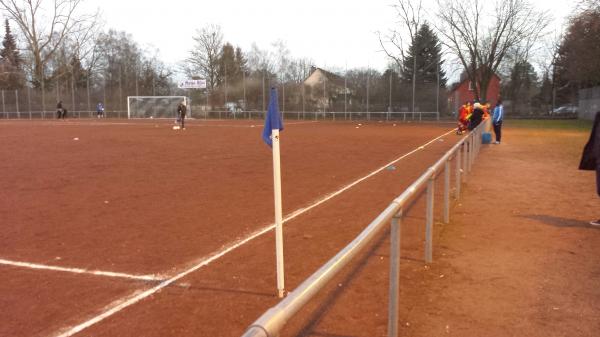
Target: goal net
{"points": [[155, 106]]}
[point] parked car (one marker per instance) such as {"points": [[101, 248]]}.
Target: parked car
{"points": [[233, 108], [565, 109]]}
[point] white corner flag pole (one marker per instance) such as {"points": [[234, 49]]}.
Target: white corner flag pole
{"points": [[278, 213]]}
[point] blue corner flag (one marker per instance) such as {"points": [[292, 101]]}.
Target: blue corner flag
{"points": [[272, 120]]}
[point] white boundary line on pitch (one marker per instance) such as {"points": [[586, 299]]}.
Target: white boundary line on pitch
{"points": [[243, 126], [343, 189], [149, 122], [214, 256], [80, 271]]}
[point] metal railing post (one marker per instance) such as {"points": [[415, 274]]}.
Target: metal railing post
{"points": [[394, 275], [480, 140], [458, 173], [471, 150], [478, 143], [465, 169], [473, 140], [447, 192], [429, 221], [477, 138]]}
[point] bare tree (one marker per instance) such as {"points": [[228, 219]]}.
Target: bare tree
{"points": [[481, 41], [281, 59], [587, 5], [395, 43], [45, 25], [546, 61], [299, 69], [204, 58], [260, 60]]}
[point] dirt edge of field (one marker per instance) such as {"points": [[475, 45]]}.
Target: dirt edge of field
{"points": [[519, 257]]}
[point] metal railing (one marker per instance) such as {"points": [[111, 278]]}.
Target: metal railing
{"points": [[465, 151]]}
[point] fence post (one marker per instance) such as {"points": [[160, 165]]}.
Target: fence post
{"points": [[458, 173], [73, 98], [17, 103], [447, 192], [29, 100], [394, 275], [87, 87], [429, 221], [4, 106]]}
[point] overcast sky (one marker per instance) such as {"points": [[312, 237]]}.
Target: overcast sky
{"points": [[332, 33]]}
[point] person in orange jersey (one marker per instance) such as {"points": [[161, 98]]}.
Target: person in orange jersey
{"points": [[463, 118]]}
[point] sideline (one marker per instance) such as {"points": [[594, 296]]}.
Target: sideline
{"points": [[133, 299], [161, 122], [80, 271]]}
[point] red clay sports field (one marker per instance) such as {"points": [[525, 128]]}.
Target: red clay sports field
{"points": [[130, 228]]}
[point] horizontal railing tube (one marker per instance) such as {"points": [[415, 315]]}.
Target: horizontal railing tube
{"points": [[275, 318]]}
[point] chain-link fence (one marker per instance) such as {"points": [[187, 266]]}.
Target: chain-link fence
{"points": [[377, 97], [589, 102]]}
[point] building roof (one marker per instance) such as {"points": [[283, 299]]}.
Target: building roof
{"points": [[333, 78], [464, 78]]}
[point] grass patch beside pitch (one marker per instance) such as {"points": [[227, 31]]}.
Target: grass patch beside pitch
{"points": [[560, 124]]}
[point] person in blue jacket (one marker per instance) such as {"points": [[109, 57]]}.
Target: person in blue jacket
{"points": [[497, 117], [100, 110]]}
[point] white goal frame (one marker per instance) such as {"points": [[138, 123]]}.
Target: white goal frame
{"points": [[181, 98]]}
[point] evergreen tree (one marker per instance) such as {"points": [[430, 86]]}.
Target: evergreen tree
{"points": [[577, 64], [12, 75], [240, 62], [79, 74], [428, 50], [227, 66], [9, 47], [522, 85]]}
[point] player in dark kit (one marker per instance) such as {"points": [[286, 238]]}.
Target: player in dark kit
{"points": [[61, 112], [181, 110], [476, 117]]}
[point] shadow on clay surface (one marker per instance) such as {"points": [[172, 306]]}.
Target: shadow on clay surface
{"points": [[558, 221]]}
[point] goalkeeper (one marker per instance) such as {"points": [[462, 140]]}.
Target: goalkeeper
{"points": [[181, 110]]}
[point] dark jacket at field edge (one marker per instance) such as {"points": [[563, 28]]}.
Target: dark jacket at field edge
{"points": [[590, 160]]}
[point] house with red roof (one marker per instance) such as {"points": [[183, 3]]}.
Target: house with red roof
{"points": [[464, 91]]}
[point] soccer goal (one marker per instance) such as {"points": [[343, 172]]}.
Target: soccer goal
{"points": [[155, 106]]}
